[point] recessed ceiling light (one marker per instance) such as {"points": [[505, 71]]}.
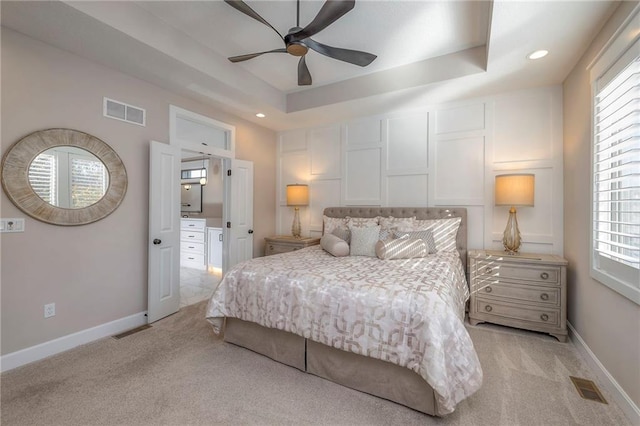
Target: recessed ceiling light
{"points": [[538, 54], [260, 115]]}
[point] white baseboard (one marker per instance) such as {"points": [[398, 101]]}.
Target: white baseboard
{"points": [[61, 344], [621, 398]]}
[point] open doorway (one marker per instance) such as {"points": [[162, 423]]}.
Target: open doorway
{"points": [[201, 217], [206, 139]]}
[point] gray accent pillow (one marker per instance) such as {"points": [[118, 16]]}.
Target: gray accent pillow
{"points": [[444, 231], [334, 245], [342, 233], [363, 241], [401, 248], [426, 236]]}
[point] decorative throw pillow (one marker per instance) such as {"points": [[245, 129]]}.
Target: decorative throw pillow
{"points": [[331, 223], [342, 233], [361, 222], [401, 248], [334, 245], [425, 236], [363, 241], [444, 231], [399, 223], [386, 234]]}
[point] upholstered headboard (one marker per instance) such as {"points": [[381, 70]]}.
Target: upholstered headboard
{"points": [[421, 213]]}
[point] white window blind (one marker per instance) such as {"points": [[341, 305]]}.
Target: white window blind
{"points": [[89, 181], [43, 177], [616, 175]]}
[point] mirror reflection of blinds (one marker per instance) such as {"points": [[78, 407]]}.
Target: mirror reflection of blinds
{"points": [[89, 181], [616, 165], [43, 177]]}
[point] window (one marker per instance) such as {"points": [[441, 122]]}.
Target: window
{"points": [[616, 174], [68, 177], [43, 176]]}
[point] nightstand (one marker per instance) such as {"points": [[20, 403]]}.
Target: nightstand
{"points": [[526, 291], [286, 243]]}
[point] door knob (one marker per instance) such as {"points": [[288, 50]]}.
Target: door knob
{"points": [[156, 241], [250, 231]]}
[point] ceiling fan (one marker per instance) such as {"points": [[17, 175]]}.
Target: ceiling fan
{"points": [[298, 40]]}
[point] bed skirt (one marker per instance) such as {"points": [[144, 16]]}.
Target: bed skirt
{"points": [[369, 375]]}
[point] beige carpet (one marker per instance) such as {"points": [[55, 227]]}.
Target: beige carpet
{"points": [[178, 373]]}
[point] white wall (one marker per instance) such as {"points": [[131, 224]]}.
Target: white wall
{"points": [[445, 155], [608, 322], [95, 273]]}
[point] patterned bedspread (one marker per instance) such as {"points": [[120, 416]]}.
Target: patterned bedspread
{"points": [[408, 312]]}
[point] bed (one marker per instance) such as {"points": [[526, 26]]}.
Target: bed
{"points": [[391, 328]]}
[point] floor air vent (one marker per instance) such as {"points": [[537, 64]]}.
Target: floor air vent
{"points": [[587, 389], [132, 331]]}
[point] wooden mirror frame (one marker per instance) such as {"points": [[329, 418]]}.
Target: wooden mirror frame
{"points": [[15, 177]]}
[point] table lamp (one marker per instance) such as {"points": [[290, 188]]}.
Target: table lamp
{"points": [[514, 190], [297, 196]]}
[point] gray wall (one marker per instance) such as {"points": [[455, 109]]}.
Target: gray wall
{"points": [[608, 322], [95, 273]]}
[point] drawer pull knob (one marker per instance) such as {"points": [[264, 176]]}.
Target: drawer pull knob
{"points": [[488, 270], [488, 289], [544, 296], [488, 308], [271, 247], [544, 317], [544, 275]]}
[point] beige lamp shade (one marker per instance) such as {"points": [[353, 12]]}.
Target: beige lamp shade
{"points": [[515, 190], [297, 195]]}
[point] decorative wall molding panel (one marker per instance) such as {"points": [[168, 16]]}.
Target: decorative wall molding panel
{"points": [[438, 156]]}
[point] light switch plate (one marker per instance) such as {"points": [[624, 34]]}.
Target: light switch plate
{"points": [[12, 225]]}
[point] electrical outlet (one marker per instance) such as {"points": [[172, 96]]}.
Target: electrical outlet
{"points": [[49, 310], [12, 225]]}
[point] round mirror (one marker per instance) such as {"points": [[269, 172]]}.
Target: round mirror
{"points": [[68, 177], [64, 177]]}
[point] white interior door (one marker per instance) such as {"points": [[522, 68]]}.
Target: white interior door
{"points": [[164, 231], [240, 213]]}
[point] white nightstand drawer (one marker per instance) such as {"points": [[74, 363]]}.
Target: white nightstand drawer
{"points": [[197, 237], [192, 247], [488, 270], [526, 293], [492, 309]]}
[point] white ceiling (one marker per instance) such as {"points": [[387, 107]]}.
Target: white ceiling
{"points": [[428, 52]]}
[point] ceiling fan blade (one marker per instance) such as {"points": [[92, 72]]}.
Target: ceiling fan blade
{"points": [[244, 8], [355, 57], [330, 12], [241, 58], [304, 76]]}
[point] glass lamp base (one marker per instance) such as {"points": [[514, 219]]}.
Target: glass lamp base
{"points": [[511, 237], [296, 229]]}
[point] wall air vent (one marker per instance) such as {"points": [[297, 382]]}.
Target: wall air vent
{"points": [[124, 112]]}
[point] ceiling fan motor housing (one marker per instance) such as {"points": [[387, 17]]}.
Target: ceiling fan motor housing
{"points": [[295, 47]]}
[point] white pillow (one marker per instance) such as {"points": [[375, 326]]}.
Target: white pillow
{"points": [[361, 222], [363, 241], [444, 231], [399, 223], [334, 245], [331, 223]]}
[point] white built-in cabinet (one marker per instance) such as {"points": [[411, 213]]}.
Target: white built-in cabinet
{"points": [[193, 243], [214, 247], [443, 155]]}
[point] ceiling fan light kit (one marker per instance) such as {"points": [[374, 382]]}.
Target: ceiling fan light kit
{"points": [[298, 40]]}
